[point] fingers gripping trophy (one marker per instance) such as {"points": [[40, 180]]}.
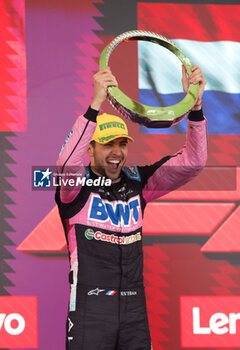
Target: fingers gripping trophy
{"points": [[103, 223]]}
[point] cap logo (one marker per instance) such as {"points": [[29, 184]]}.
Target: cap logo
{"points": [[106, 138], [111, 125]]}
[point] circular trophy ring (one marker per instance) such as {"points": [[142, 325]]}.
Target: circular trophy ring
{"points": [[153, 117]]}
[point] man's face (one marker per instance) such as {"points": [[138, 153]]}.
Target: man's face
{"points": [[108, 159]]}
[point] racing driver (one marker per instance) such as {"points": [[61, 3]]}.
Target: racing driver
{"points": [[103, 220]]}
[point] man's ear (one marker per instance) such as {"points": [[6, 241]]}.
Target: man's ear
{"points": [[90, 150]]}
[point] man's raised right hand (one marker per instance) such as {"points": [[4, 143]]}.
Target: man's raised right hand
{"points": [[102, 80]]}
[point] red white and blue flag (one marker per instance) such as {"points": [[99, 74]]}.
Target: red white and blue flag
{"points": [[209, 35], [111, 292]]}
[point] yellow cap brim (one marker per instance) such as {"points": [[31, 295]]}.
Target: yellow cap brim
{"points": [[106, 139]]}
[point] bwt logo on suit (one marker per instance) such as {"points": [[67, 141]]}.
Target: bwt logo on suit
{"points": [[210, 321], [18, 322]]}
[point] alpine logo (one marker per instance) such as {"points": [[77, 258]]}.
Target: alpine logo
{"points": [[132, 172], [118, 213], [98, 235]]}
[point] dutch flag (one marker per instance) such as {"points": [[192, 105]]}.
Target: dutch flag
{"points": [[209, 35]]}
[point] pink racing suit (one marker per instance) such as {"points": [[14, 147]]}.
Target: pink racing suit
{"points": [[103, 227]]}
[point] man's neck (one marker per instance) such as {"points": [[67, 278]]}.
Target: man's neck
{"points": [[96, 173]]}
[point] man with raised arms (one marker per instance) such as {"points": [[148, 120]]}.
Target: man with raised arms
{"points": [[103, 224]]}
